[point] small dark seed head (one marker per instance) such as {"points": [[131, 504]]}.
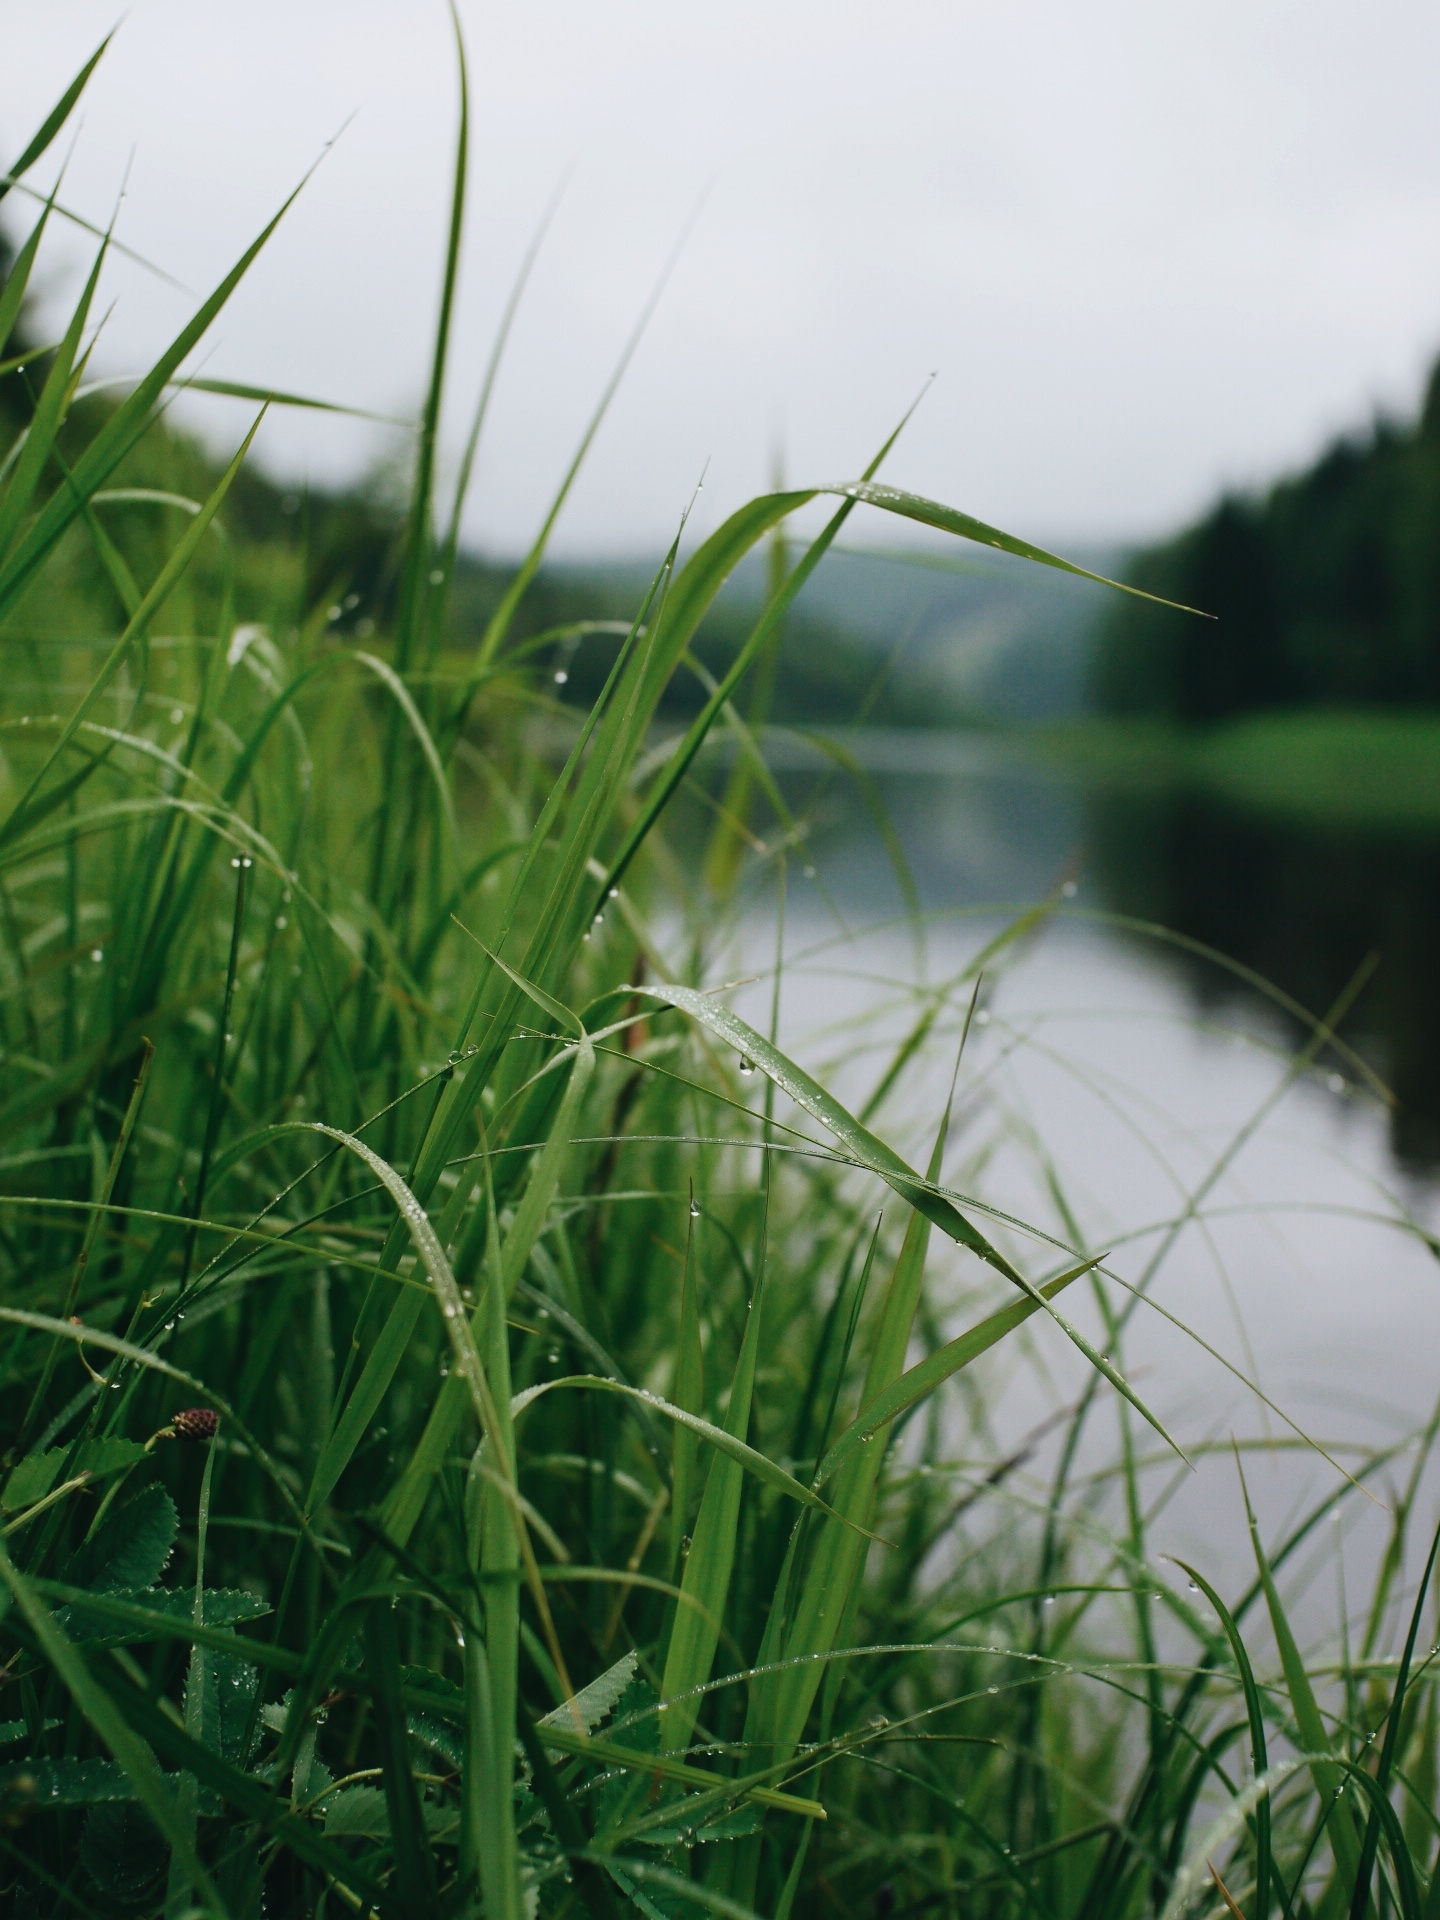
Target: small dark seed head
{"points": [[195, 1423]]}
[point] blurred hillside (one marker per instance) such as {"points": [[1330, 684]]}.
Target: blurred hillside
{"points": [[910, 639], [1326, 592]]}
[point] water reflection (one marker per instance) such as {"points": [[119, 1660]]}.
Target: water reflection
{"points": [[1304, 907]]}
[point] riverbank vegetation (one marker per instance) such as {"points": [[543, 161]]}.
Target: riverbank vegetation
{"points": [[485, 1431]]}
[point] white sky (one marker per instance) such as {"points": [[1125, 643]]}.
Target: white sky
{"points": [[1150, 248]]}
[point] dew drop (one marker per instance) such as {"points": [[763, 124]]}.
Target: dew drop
{"points": [[561, 676], [1048, 1601], [982, 1018], [235, 860], [1069, 890], [352, 600], [1336, 1083], [456, 1057], [694, 1209], [747, 1067], [97, 954], [169, 1326], [553, 1357], [992, 1689], [177, 714], [437, 574], [333, 614], [281, 922], [614, 893], [1194, 1586], [544, 1313]]}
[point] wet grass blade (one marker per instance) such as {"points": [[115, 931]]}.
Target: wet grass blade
{"points": [[1264, 1866], [54, 120], [869, 1151], [711, 1559], [1308, 1722]]}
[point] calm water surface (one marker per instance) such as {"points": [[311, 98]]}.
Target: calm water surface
{"points": [[1278, 1214]]}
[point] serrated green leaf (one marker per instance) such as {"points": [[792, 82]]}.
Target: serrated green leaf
{"points": [[129, 1550], [65, 1783], [122, 1850]]}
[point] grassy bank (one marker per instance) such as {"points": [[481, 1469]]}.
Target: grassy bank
{"points": [[1358, 768], [485, 1432]]}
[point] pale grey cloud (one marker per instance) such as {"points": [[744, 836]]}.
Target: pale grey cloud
{"points": [[1151, 249]]}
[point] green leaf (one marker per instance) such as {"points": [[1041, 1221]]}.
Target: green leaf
{"points": [[223, 1607], [357, 1813], [118, 1730], [593, 1703], [65, 1783], [122, 1850], [131, 1546], [34, 1476]]}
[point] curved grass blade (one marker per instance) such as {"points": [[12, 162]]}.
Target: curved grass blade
{"points": [[415, 571], [55, 119], [1264, 1865], [499, 624], [924, 1377], [1311, 1728], [1393, 1717], [871, 1152]]}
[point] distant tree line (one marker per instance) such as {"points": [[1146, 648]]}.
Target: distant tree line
{"points": [[1325, 591]]}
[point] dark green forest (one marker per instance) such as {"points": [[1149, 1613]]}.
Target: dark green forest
{"points": [[1325, 592]]}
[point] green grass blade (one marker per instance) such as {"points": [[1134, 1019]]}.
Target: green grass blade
{"points": [[687, 1393], [869, 1151], [49, 411], [119, 434], [414, 1862], [55, 119], [1371, 1842], [723, 1441], [711, 1559], [926, 1375], [415, 572], [12, 294], [32, 805], [1308, 1723], [500, 621], [1254, 1713]]}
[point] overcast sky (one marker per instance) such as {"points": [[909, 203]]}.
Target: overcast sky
{"points": [[1150, 249]]}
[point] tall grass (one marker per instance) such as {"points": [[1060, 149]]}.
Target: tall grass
{"points": [[473, 1405]]}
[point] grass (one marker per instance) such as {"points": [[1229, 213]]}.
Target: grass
{"points": [[1352, 769], [485, 1429]]}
